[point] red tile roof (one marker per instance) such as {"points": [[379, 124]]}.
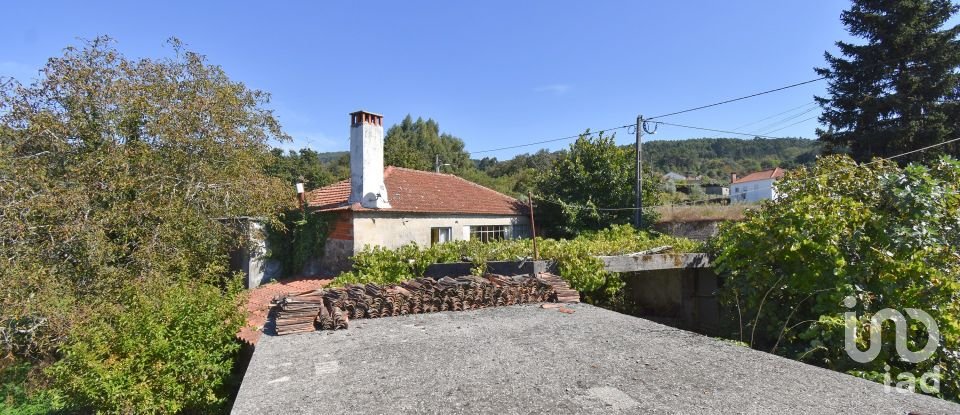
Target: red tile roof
{"points": [[761, 175], [423, 192]]}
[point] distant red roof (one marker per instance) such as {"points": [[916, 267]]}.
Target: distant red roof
{"points": [[761, 175], [424, 192]]}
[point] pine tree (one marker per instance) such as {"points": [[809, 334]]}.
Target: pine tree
{"points": [[899, 90]]}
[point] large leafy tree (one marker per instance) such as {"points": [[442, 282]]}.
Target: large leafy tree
{"points": [[885, 235], [593, 176], [416, 144], [113, 174], [303, 166], [899, 90]]}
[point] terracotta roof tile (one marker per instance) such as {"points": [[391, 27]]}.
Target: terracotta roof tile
{"points": [[761, 175], [424, 192], [258, 303], [332, 196]]}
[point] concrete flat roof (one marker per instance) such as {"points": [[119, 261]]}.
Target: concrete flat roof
{"points": [[525, 359]]}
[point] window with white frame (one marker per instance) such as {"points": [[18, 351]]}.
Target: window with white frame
{"points": [[487, 233]]}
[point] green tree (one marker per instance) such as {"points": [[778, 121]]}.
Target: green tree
{"points": [[885, 235], [415, 145], [304, 166], [899, 90], [595, 174], [113, 173]]}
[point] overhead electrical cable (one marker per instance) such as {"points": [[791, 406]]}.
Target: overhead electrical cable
{"points": [[551, 140], [819, 176], [791, 125], [766, 128], [739, 98], [774, 115], [713, 130]]}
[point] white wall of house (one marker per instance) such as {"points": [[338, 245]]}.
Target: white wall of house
{"points": [[753, 191], [392, 229]]}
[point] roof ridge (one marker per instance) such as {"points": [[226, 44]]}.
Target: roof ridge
{"points": [[486, 188], [765, 174], [391, 168], [329, 185], [454, 176]]}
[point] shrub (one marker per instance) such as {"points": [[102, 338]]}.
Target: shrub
{"points": [[167, 349], [887, 236], [112, 172], [18, 396]]}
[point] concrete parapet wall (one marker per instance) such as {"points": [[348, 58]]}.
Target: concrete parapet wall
{"points": [[453, 269]]}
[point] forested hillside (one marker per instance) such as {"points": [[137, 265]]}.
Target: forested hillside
{"points": [[413, 144], [716, 158]]}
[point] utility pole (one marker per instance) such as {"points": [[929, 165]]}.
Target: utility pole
{"points": [[533, 227], [638, 184], [437, 164]]}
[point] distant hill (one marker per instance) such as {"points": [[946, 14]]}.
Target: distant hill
{"points": [[716, 158], [713, 158], [331, 156]]}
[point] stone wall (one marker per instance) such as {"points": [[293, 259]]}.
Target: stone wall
{"points": [[699, 230], [335, 259]]}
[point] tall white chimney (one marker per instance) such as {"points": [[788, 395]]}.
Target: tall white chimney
{"points": [[366, 161]]}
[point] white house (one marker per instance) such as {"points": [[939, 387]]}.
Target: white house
{"points": [[755, 187], [394, 206]]}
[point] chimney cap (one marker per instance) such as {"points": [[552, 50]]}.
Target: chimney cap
{"points": [[358, 118], [366, 112]]}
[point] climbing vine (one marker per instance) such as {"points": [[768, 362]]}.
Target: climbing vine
{"points": [[294, 239]]}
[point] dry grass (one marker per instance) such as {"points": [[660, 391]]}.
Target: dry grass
{"points": [[680, 213]]}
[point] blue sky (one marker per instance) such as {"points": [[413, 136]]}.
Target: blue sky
{"points": [[493, 73]]}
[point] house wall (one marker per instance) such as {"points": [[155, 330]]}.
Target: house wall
{"points": [[338, 248], [753, 191], [393, 229], [251, 258]]}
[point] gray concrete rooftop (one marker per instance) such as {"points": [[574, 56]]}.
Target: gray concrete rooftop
{"points": [[525, 359]]}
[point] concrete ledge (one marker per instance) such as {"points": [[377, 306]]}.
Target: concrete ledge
{"points": [[652, 262], [526, 359], [456, 269]]}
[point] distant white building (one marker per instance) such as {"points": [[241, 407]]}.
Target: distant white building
{"points": [[755, 187]]}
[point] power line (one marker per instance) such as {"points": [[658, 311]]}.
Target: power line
{"points": [[739, 98], [696, 109], [774, 115], [714, 130], [552, 140], [766, 128], [791, 125], [831, 173], [570, 137], [766, 92]]}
